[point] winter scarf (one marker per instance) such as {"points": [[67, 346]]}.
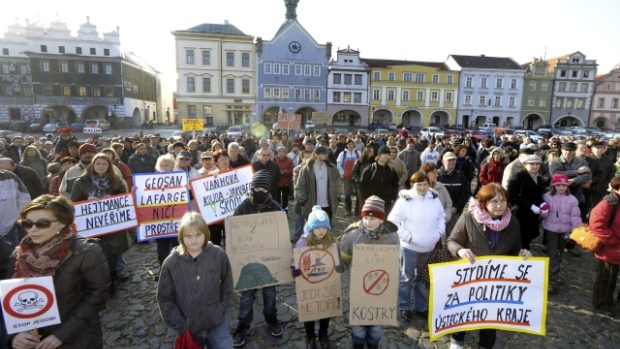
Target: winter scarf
{"points": [[100, 186], [372, 235], [483, 216], [33, 260]]}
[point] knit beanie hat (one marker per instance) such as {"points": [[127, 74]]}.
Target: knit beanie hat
{"points": [[87, 148], [559, 178], [261, 179], [374, 206], [317, 219], [384, 150]]}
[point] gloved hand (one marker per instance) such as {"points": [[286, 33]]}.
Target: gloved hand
{"points": [[535, 209], [295, 272], [544, 207]]}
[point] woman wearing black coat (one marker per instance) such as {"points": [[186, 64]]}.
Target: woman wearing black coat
{"points": [[525, 190]]}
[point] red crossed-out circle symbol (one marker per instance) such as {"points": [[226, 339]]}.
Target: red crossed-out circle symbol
{"points": [[376, 282], [8, 306]]}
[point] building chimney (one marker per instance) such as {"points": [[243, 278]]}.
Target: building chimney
{"points": [[291, 8], [328, 50]]}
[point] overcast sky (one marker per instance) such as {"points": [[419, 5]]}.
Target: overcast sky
{"points": [[393, 29]]}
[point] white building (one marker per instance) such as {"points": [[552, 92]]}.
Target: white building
{"points": [[490, 90], [606, 109], [215, 74], [347, 89]]}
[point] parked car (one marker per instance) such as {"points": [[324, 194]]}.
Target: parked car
{"points": [[35, 127], [529, 133], [234, 132], [382, 132], [392, 126], [50, 127], [100, 123], [432, 131], [208, 129], [489, 126]]}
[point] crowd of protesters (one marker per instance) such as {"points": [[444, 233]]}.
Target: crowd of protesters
{"points": [[419, 190]]}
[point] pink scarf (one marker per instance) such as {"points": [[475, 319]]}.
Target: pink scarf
{"points": [[483, 216]]}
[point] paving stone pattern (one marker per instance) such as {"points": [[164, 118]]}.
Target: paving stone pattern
{"points": [[132, 317]]}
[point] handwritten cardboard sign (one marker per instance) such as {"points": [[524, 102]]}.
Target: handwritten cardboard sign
{"points": [[29, 303], [259, 249], [161, 200], [318, 287], [218, 196], [105, 216], [374, 285], [501, 292]]}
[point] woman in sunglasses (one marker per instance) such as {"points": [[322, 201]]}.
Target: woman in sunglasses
{"points": [[79, 269], [98, 181]]}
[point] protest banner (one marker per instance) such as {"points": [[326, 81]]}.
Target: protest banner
{"points": [[161, 200], [28, 303], [502, 292], [105, 216], [259, 249], [92, 130], [218, 196], [289, 121], [318, 287], [193, 124], [374, 285]]}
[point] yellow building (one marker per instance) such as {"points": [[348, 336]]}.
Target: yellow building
{"points": [[416, 94]]}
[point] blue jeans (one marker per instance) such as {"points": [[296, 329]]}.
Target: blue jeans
{"points": [[298, 228], [366, 334], [411, 264], [246, 306], [217, 337]]}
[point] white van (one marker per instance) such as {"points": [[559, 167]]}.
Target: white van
{"points": [[488, 126]]}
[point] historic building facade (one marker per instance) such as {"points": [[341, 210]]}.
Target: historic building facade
{"points": [[347, 90], [216, 74], [606, 102], [292, 70], [537, 93], [573, 88], [72, 78], [414, 94], [490, 90]]}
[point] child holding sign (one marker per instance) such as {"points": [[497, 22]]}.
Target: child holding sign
{"points": [[317, 233], [195, 287], [561, 216], [371, 229]]}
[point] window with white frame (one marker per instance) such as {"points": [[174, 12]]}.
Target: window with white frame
{"points": [[206, 57], [391, 76], [513, 84], [449, 97], [206, 85], [64, 67], [483, 82], [191, 110], [306, 93], [580, 103], [286, 69], [80, 68], [337, 78], [189, 56], [191, 84], [614, 103], [276, 93], [468, 81], [276, 68], [336, 97], [66, 90], [569, 103], [245, 86], [245, 59], [298, 69], [584, 87], [499, 83], [511, 102], [573, 87], [230, 85], [390, 94], [357, 97], [24, 69], [317, 94], [377, 76], [45, 66], [94, 68], [267, 68], [307, 70], [467, 99], [419, 78], [96, 91], [542, 103], [530, 102], [586, 74], [435, 79], [482, 100], [544, 86], [230, 59], [376, 94], [498, 101], [267, 93], [285, 93], [317, 70], [346, 97], [357, 79], [348, 79], [532, 86], [562, 73], [107, 68], [558, 103], [434, 96], [601, 102], [407, 77], [420, 96], [562, 87], [405, 95], [82, 91], [449, 79], [297, 93], [574, 73]]}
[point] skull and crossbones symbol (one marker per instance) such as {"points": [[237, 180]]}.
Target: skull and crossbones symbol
{"points": [[29, 300]]}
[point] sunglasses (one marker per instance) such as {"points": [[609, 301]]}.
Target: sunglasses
{"points": [[184, 159], [40, 224]]}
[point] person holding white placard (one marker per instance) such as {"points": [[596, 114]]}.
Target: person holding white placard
{"points": [[78, 267]]}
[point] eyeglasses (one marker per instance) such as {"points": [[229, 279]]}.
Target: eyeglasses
{"points": [[40, 224], [184, 159]]}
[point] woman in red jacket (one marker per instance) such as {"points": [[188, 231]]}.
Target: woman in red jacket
{"points": [[605, 225], [286, 169], [493, 169]]}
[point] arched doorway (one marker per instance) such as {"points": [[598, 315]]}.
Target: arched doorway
{"points": [[439, 118], [567, 121], [59, 113], [346, 118], [412, 118], [271, 115], [600, 122], [382, 116], [136, 117], [95, 112], [480, 120], [306, 114], [465, 119], [532, 121]]}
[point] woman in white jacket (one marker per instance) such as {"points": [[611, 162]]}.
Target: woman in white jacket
{"points": [[420, 218]]}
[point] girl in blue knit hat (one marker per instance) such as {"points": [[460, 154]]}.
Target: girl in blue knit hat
{"points": [[317, 233]]}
